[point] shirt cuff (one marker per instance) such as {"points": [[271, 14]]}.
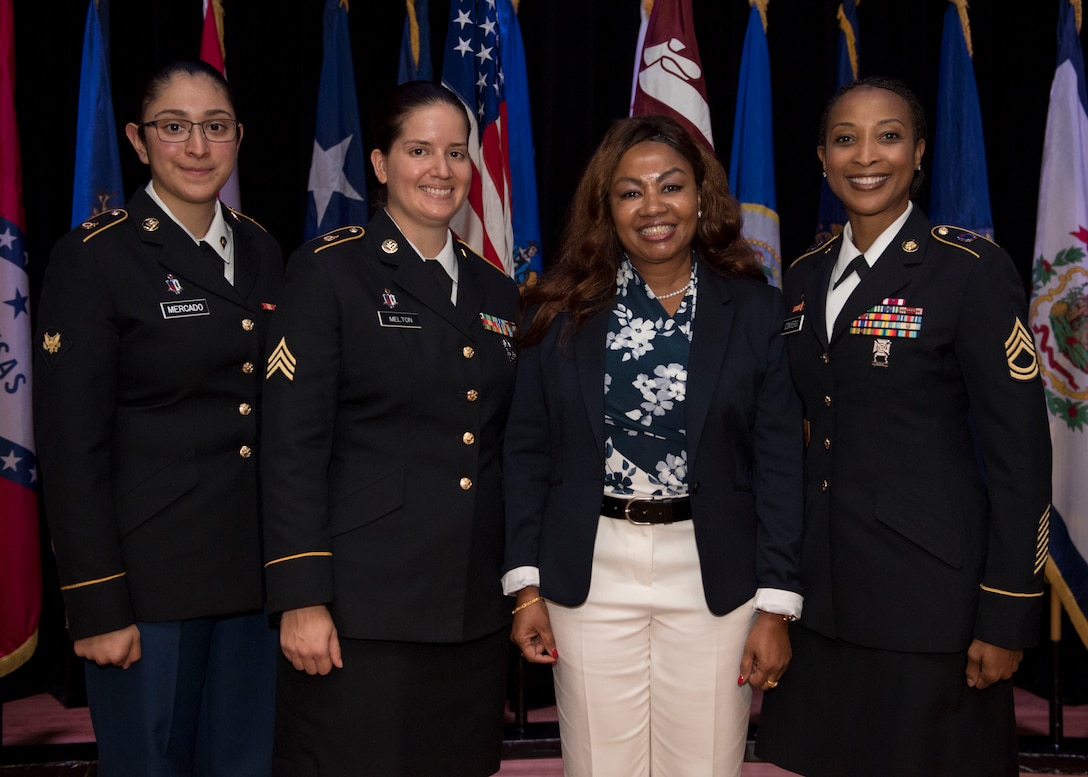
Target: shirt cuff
{"points": [[518, 578], [779, 601]]}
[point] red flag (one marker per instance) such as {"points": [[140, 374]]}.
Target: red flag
{"points": [[20, 560], [213, 52], [669, 73]]}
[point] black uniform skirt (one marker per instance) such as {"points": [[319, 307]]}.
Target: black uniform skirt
{"points": [[842, 710], [396, 709]]}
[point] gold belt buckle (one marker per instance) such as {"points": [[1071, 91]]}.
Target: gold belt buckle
{"points": [[627, 510]]}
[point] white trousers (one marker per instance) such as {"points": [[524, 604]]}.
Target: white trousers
{"points": [[646, 681]]}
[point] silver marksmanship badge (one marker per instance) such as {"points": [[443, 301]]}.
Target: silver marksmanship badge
{"points": [[511, 352], [882, 352], [389, 246]]}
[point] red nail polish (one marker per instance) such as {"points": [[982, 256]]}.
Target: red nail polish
{"points": [[740, 681], [555, 653]]}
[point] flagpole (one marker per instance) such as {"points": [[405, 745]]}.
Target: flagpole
{"points": [[1056, 722]]}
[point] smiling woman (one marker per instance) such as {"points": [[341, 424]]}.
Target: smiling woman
{"points": [[152, 321]]}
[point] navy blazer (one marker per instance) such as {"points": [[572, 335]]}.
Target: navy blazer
{"points": [[744, 447]]}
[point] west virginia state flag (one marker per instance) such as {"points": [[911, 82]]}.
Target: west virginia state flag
{"points": [[751, 166], [1059, 316], [337, 187], [20, 558]]}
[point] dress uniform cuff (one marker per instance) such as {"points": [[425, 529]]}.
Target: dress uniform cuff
{"points": [[299, 581], [1008, 619], [97, 607]]}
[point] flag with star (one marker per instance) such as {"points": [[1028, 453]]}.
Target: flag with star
{"points": [[214, 52], [97, 185], [1059, 316], [20, 556], [831, 218], [337, 187], [669, 73], [751, 165], [415, 44], [472, 69], [528, 261], [960, 191]]}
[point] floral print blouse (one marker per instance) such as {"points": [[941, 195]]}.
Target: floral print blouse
{"points": [[646, 371]]}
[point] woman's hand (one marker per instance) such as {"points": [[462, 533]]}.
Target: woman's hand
{"points": [[114, 648], [988, 664], [309, 641], [767, 652], [532, 629]]}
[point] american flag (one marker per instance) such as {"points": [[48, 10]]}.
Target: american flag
{"points": [[472, 68]]}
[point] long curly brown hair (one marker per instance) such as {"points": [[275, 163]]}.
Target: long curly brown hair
{"points": [[582, 281]]}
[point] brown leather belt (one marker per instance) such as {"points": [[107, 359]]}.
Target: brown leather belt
{"points": [[646, 511]]}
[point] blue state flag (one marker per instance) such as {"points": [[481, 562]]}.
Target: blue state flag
{"points": [[831, 217], [97, 183], [337, 186], [415, 44], [528, 259], [960, 190], [751, 166], [1059, 317]]}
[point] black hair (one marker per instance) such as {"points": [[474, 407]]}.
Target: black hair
{"points": [[402, 100], [895, 86], [159, 80]]}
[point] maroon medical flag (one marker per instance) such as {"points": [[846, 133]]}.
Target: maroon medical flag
{"points": [[668, 73], [20, 559], [213, 52]]}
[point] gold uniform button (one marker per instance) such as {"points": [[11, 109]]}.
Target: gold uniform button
{"points": [[468, 438], [247, 324], [826, 358], [824, 486], [245, 409], [472, 395], [827, 443], [247, 368], [827, 400], [466, 484], [245, 451], [468, 352]]}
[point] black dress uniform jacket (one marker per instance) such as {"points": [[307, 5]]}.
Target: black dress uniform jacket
{"points": [[743, 445], [928, 467], [385, 413], [147, 382]]}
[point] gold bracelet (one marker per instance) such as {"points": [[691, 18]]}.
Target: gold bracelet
{"points": [[529, 603]]}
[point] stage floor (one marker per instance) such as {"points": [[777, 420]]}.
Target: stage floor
{"points": [[37, 722]]}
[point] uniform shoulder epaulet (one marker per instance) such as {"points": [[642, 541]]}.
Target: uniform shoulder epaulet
{"points": [[336, 237], [818, 248], [961, 238], [100, 222], [467, 251], [238, 216]]}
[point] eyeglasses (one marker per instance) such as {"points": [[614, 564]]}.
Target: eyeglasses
{"points": [[179, 130]]}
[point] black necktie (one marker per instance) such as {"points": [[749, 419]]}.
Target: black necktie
{"points": [[445, 282], [858, 265], [213, 256]]}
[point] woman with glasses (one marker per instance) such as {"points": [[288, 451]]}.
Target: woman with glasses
{"points": [[148, 372]]}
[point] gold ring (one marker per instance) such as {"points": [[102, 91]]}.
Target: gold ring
{"points": [[772, 683]]}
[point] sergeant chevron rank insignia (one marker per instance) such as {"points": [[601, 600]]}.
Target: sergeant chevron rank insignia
{"points": [[1020, 353], [281, 360]]}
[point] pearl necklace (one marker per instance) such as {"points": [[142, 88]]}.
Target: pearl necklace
{"points": [[681, 290]]}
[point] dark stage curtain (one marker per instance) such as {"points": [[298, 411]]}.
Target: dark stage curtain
{"points": [[580, 56]]}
